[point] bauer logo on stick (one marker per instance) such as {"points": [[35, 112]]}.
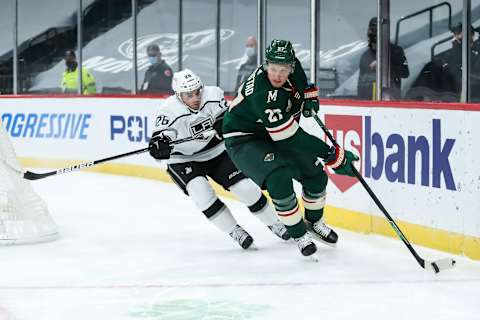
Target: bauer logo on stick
{"points": [[76, 167]]}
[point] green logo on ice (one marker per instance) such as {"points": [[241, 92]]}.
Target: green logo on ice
{"points": [[192, 309]]}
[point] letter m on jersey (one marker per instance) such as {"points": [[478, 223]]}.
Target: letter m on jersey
{"points": [[348, 132], [272, 96]]}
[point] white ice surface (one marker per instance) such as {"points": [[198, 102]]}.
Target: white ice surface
{"points": [[138, 249]]}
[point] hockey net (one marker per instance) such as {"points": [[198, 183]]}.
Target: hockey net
{"points": [[24, 217]]}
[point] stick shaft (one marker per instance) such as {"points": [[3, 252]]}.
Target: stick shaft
{"points": [[29, 175], [374, 197]]}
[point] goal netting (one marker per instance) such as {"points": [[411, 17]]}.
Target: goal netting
{"points": [[24, 217]]}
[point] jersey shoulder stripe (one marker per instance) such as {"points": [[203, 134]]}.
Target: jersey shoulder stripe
{"points": [[212, 93], [283, 131], [181, 116]]}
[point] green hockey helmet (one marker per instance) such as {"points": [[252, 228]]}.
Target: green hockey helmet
{"points": [[280, 52]]}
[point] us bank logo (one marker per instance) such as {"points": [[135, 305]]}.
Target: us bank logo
{"points": [[422, 160], [348, 132]]}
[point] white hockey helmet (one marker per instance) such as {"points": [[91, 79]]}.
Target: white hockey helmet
{"points": [[185, 81]]}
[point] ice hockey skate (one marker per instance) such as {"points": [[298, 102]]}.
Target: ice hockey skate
{"points": [[321, 232], [242, 237], [306, 246], [280, 231]]}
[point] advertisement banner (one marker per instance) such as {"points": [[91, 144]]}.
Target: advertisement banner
{"points": [[80, 128], [422, 163]]}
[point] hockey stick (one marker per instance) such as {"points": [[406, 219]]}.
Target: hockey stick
{"points": [[29, 175], [436, 266]]}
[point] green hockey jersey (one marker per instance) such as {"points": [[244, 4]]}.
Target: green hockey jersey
{"points": [[263, 109], [265, 112]]}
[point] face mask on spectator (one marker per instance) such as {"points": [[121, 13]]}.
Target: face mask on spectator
{"points": [[250, 51], [71, 65], [152, 60]]}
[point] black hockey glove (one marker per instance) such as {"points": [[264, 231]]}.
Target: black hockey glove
{"points": [[160, 147], [340, 161], [310, 105]]}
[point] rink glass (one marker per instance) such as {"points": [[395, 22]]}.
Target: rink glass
{"points": [[213, 37]]}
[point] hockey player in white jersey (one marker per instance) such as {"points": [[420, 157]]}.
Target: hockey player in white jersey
{"points": [[195, 110]]}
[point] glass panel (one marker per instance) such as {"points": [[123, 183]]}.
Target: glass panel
{"points": [[6, 47], [475, 63], [290, 20], [434, 60], [343, 41], [199, 20], [157, 29], [108, 45], [43, 37], [239, 19]]}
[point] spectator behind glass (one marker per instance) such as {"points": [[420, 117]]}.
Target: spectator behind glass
{"points": [[70, 76], [452, 65], [250, 64], [158, 77], [441, 78], [368, 67]]}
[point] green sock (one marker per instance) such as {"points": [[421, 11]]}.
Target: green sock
{"points": [[297, 230], [313, 215]]}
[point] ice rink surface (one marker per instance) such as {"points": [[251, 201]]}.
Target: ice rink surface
{"points": [[138, 249]]}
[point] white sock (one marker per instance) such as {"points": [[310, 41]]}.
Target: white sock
{"points": [[249, 193], [224, 220], [267, 215]]}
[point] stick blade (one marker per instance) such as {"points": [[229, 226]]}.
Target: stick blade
{"points": [[35, 176], [439, 265], [31, 175]]}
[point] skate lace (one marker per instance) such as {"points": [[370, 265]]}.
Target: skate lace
{"points": [[238, 234], [303, 241], [278, 228], [321, 228]]}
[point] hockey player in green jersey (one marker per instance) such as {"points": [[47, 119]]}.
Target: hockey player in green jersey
{"points": [[265, 141]]}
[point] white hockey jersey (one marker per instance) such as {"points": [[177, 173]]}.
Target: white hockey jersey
{"points": [[177, 121]]}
